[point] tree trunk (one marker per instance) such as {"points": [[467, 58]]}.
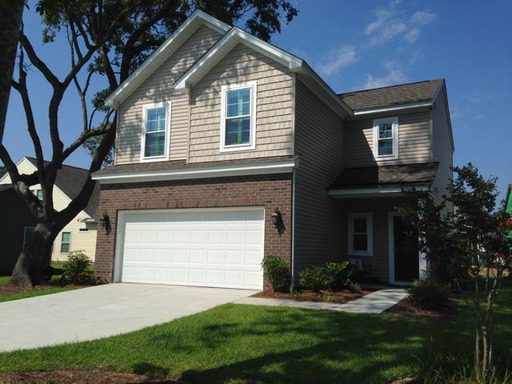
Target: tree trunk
{"points": [[34, 261], [10, 22]]}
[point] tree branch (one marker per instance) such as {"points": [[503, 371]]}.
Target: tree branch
{"points": [[38, 63]]}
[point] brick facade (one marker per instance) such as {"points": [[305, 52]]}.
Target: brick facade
{"points": [[268, 191]]}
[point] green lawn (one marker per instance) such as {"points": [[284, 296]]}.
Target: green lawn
{"points": [[39, 291], [249, 344]]}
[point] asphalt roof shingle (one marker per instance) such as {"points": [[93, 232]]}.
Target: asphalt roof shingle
{"points": [[385, 175], [71, 180], [393, 95]]}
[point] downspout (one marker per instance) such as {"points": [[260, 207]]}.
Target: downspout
{"points": [[293, 230]]}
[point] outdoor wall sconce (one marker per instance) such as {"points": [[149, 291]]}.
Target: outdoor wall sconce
{"points": [[277, 221], [105, 224]]}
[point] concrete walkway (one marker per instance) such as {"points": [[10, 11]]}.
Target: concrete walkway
{"points": [[375, 302], [101, 311]]}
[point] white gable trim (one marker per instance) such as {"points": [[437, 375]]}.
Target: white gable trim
{"points": [[224, 46], [237, 36], [170, 46]]}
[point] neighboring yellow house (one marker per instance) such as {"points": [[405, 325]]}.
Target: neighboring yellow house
{"points": [[80, 233]]}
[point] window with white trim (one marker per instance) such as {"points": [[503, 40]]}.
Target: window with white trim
{"points": [[39, 194], [385, 138], [360, 234], [238, 118], [65, 242], [155, 131]]}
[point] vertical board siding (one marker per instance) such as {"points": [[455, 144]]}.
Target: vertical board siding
{"points": [[442, 150], [159, 88], [274, 107], [319, 146], [414, 141]]}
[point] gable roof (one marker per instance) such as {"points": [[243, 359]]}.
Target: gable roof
{"points": [[385, 175], [395, 95], [295, 64], [163, 52], [70, 180]]}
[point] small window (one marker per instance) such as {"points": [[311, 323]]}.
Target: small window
{"points": [[65, 242], [385, 133], [238, 117], [39, 194], [155, 132], [27, 234], [360, 234]]}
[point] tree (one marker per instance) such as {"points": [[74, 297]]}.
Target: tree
{"points": [[10, 21], [468, 244], [107, 39]]}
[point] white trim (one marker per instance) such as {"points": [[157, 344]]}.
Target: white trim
{"points": [[394, 138], [369, 233], [393, 109], [381, 191], [145, 109], [391, 254], [252, 86], [292, 269], [170, 46], [277, 167], [121, 223], [225, 45]]}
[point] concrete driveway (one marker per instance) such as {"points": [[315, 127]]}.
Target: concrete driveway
{"points": [[101, 311]]}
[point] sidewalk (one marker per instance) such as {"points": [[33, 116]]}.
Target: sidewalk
{"points": [[375, 302]]}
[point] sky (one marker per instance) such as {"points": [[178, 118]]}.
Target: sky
{"points": [[356, 45]]}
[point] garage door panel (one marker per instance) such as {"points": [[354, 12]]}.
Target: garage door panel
{"points": [[207, 247]]}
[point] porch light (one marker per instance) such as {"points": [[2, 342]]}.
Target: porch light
{"points": [[277, 221], [105, 224]]}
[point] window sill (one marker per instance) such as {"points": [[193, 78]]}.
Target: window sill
{"points": [[237, 148], [357, 254], [153, 159]]}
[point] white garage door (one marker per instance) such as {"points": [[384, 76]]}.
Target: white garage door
{"points": [[214, 248]]}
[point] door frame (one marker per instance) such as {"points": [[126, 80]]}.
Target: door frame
{"points": [[422, 262]]}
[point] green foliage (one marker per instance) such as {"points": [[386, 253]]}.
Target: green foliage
{"points": [[76, 269], [277, 272], [428, 294], [331, 276]]}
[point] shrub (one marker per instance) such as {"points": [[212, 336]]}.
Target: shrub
{"points": [[428, 294], [331, 276], [278, 273], [76, 268], [313, 278]]}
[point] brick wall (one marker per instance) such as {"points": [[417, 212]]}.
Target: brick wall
{"points": [[268, 191]]}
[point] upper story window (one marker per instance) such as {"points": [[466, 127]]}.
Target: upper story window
{"points": [[155, 138], [360, 234], [238, 120], [385, 138]]}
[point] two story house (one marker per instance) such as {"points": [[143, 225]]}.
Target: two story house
{"points": [[230, 149]]}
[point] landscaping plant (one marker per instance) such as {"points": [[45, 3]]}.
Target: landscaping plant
{"points": [[76, 269], [428, 294], [331, 276], [468, 244], [277, 272]]}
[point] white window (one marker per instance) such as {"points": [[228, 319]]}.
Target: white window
{"points": [[155, 135], [238, 117], [360, 234], [385, 138], [65, 242]]}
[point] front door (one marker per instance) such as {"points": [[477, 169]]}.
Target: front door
{"points": [[405, 245]]}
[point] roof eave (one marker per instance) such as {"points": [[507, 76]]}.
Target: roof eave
{"points": [[181, 34]]}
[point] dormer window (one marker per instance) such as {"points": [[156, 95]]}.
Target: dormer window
{"points": [[385, 138], [238, 117], [155, 138]]}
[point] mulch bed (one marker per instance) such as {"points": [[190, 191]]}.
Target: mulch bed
{"points": [[407, 309], [10, 289], [68, 376], [307, 295]]}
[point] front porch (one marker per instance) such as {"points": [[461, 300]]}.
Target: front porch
{"points": [[375, 236]]}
